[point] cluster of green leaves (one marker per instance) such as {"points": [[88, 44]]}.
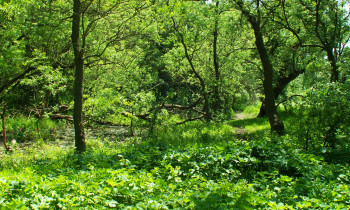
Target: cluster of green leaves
{"points": [[321, 118], [216, 171]]}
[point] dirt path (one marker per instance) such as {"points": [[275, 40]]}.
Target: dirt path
{"points": [[240, 116], [240, 130]]}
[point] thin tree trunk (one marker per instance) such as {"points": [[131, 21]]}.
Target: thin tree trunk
{"points": [[217, 100], [331, 138], [4, 129], [80, 144], [37, 128], [327, 44], [132, 124]]}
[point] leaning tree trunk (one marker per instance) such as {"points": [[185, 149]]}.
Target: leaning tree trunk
{"points": [[206, 108], [80, 144], [275, 122], [217, 103]]}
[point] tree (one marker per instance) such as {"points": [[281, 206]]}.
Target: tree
{"points": [[105, 25], [30, 67], [200, 58], [290, 60], [78, 48], [322, 25], [255, 21], [328, 24]]}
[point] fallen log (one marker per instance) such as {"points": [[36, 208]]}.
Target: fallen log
{"points": [[192, 107], [61, 117]]}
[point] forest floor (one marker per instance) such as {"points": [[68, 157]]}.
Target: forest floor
{"points": [[240, 130], [236, 164], [65, 136]]}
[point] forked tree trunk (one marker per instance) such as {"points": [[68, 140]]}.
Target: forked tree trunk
{"points": [[275, 122], [282, 82], [254, 20], [80, 144]]}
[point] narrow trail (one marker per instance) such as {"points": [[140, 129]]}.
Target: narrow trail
{"points": [[240, 130], [240, 116]]}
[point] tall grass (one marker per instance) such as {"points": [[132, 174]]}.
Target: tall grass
{"points": [[28, 129]]}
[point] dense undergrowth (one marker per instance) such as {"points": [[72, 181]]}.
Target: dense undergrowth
{"points": [[193, 166]]}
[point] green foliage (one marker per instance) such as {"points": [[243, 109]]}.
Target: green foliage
{"points": [[252, 109], [263, 173], [324, 116], [135, 61]]}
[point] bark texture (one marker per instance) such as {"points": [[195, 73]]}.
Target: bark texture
{"points": [[80, 145]]}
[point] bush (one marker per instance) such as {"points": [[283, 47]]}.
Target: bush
{"points": [[324, 116]]}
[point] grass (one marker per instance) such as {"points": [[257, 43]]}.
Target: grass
{"points": [[252, 125], [24, 129], [252, 109]]}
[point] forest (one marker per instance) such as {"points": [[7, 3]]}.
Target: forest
{"points": [[174, 104]]}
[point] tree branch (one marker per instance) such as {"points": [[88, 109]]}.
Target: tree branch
{"points": [[14, 80], [290, 97]]}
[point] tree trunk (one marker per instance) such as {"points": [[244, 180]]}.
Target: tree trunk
{"points": [[334, 70], [331, 138], [4, 129], [80, 145], [206, 108], [262, 111], [275, 122], [217, 99]]}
